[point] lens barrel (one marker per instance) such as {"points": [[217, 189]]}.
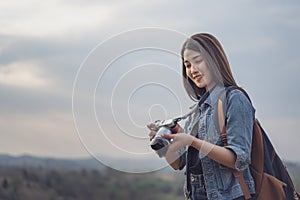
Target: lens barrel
{"points": [[159, 144]]}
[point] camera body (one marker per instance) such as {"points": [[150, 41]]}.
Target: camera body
{"points": [[158, 143]]}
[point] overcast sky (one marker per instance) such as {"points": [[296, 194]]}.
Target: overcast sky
{"points": [[45, 45]]}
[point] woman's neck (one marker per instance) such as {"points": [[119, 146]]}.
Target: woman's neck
{"points": [[210, 87]]}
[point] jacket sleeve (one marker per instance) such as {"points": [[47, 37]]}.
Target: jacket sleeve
{"points": [[239, 126]]}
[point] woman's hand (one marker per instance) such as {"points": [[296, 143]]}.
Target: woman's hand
{"points": [[179, 141], [152, 132]]}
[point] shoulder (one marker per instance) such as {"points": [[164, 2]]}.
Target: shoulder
{"points": [[237, 95], [237, 99]]}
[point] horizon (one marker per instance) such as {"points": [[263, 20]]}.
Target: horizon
{"points": [[93, 158]]}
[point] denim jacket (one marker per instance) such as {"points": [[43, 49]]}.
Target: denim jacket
{"points": [[219, 180]]}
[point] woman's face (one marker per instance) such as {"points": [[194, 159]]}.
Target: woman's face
{"points": [[196, 69]]}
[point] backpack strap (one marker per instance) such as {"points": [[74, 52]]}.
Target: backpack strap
{"points": [[222, 125], [221, 115], [242, 182], [221, 120]]}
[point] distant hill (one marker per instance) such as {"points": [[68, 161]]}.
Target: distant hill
{"points": [[294, 171], [27, 161]]}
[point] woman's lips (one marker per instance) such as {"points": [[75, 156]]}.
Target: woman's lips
{"points": [[198, 78]]}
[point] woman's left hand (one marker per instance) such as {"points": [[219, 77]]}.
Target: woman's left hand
{"points": [[179, 141]]}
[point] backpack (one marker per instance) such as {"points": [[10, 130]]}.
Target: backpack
{"points": [[272, 180]]}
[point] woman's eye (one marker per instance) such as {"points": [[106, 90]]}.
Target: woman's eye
{"points": [[187, 65], [198, 61]]}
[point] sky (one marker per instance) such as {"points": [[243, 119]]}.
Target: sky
{"points": [[81, 78]]}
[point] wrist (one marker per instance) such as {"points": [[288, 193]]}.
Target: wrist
{"points": [[193, 143]]}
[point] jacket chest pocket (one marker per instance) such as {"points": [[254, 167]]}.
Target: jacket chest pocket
{"points": [[204, 120], [207, 126]]}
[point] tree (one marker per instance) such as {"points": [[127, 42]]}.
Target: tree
{"points": [[4, 183]]}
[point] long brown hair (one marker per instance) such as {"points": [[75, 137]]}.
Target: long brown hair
{"points": [[216, 60]]}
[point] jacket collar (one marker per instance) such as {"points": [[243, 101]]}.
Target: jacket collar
{"points": [[214, 95]]}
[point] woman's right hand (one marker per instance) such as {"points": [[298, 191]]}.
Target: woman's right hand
{"points": [[152, 133]]}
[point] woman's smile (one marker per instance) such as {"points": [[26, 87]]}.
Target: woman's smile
{"points": [[198, 78]]}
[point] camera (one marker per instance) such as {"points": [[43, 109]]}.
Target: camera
{"points": [[158, 143]]}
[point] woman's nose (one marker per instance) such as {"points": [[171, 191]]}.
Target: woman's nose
{"points": [[194, 68]]}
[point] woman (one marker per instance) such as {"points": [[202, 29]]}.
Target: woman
{"points": [[210, 164]]}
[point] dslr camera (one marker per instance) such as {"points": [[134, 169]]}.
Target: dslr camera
{"points": [[158, 143]]}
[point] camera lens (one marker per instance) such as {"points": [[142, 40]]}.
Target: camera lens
{"points": [[158, 143]]}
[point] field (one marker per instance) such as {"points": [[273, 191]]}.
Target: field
{"points": [[36, 180]]}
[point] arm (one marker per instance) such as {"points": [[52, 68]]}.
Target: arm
{"points": [[174, 160], [236, 155], [219, 154]]}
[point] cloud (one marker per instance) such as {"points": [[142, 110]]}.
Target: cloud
{"points": [[50, 18], [39, 134], [27, 74]]}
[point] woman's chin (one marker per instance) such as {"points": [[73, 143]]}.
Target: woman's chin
{"points": [[201, 85]]}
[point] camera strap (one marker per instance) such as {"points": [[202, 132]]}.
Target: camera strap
{"points": [[194, 107]]}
